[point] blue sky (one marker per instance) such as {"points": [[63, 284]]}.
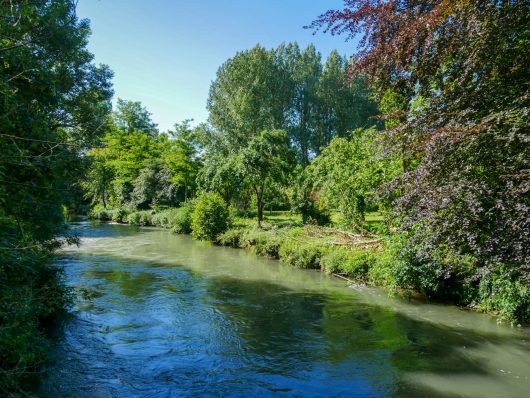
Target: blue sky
{"points": [[165, 53]]}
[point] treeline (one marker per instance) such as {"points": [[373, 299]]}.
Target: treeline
{"points": [[270, 110]]}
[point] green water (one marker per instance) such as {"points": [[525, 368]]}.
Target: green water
{"points": [[160, 315]]}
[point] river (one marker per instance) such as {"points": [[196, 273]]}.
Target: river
{"points": [[161, 315]]}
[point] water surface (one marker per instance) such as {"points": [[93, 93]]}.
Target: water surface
{"points": [[160, 315]]}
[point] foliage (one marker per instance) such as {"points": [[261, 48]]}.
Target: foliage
{"points": [[181, 155], [53, 100], [131, 116], [348, 174], [354, 263], [305, 200], [210, 217], [263, 243], [144, 218], [265, 161], [178, 220], [154, 187], [287, 89], [300, 255], [504, 293], [457, 74]]}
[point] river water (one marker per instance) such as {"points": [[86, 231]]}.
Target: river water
{"points": [[160, 315]]}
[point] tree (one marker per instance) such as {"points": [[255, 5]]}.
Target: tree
{"points": [[154, 186], [348, 174], [266, 160], [305, 70], [459, 69], [243, 100], [342, 105], [53, 101], [181, 154], [131, 116]]}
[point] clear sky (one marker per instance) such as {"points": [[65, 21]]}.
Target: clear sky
{"points": [[165, 53]]}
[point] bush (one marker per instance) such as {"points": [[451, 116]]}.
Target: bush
{"points": [[263, 243], [300, 255], [100, 213], [354, 263], [231, 238], [210, 217], [119, 215], [178, 220], [505, 294], [144, 218], [31, 294]]}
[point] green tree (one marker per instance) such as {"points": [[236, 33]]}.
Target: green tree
{"points": [[181, 154], [266, 160], [53, 101], [243, 100], [131, 116], [348, 173], [342, 105]]}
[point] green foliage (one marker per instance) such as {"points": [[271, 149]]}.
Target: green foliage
{"points": [[210, 217], [178, 220], [232, 238], [131, 116], [503, 292], [348, 174], [144, 218], [154, 187], [300, 255], [263, 243], [355, 263]]}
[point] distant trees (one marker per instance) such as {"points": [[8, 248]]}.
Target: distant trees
{"points": [[288, 89], [135, 166]]}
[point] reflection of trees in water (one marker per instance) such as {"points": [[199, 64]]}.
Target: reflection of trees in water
{"points": [[280, 326], [294, 331], [124, 282]]}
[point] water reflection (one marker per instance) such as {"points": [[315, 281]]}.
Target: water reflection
{"points": [[166, 316]]}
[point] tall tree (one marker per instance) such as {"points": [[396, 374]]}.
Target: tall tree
{"points": [[181, 154], [131, 116], [242, 100], [342, 105], [306, 68], [265, 161]]}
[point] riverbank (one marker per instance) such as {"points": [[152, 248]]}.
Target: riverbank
{"points": [[379, 259]]}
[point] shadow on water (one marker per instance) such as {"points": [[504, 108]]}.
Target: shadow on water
{"points": [[152, 328]]}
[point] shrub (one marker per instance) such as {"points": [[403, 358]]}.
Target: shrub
{"points": [[300, 255], [100, 213], [232, 238], [505, 294], [354, 263], [178, 220], [144, 218], [119, 215], [263, 243], [210, 217]]}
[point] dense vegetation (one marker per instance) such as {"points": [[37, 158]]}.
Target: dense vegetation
{"points": [[405, 166], [54, 101]]}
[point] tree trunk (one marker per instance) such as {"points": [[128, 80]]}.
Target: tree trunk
{"points": [[259, 202]]}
